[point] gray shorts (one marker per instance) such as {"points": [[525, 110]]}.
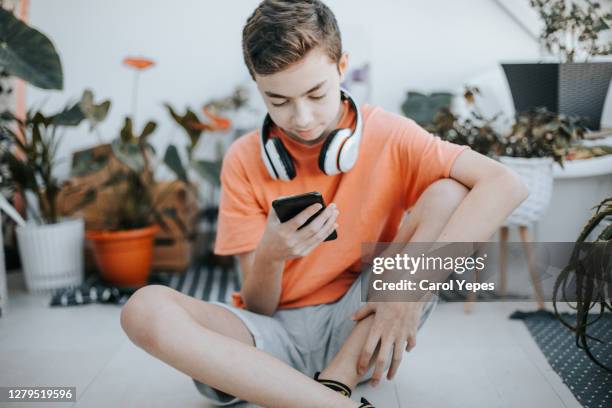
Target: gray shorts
{"points": [[305, 338]]}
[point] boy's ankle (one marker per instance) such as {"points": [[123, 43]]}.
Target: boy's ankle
{"points": [[330, 373]]}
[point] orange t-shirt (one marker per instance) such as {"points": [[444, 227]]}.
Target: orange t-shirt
{"points": [[397, 161]]}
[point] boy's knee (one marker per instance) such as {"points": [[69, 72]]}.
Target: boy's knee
{"points": [[140, 315]]}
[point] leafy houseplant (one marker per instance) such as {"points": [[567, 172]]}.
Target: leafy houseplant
{"points": [[51, 248], [571, 31], [537, 139], [28, 54], [216, 123], [123, 250], [203, 173]]}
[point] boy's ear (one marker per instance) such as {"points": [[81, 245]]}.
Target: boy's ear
{"points": [[343, 65]]}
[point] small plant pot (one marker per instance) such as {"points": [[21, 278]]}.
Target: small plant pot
{"points": [[537, 174], [124, 257], [52, 254]]}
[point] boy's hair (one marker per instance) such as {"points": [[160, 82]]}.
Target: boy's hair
{"points": [[281, 32]]}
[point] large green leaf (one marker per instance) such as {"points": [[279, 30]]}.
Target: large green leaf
{"points": [[70, 116], [173, 161], [209, 170], [422, 108], [28, 54]]}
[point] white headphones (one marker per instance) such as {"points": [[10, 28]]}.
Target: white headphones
{"points": [[338, 153]]}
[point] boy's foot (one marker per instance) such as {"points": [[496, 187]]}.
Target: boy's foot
{"points": [[334, 385]]}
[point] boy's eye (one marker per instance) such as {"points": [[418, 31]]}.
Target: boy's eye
{"points": [[279, 104], [317, 97]]}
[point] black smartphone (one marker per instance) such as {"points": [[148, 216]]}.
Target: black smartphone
{"points": [[288, 207]]}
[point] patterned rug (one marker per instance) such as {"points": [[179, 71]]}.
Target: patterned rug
{"points": [[590, 384], [199, 281]]}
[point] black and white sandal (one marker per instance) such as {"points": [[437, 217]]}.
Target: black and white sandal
{"points": [[334, 385], [342, 389], [365, 403]]}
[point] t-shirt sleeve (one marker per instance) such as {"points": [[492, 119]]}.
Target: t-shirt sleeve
{"points": [[242, 220], [424, 158]]}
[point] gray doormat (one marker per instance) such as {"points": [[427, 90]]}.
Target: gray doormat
{"points": [[590, 384]]}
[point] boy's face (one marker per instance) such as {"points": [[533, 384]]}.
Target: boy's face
{"points": [[304, 99]]}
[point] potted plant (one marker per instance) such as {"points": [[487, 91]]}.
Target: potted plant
{"points": [[123, 247], [537, 139], [571, 32], [27, 54], [50, 247]]}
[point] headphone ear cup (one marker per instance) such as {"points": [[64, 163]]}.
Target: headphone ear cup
{"points": [[330, 151], [324, 150], [285, 158]]}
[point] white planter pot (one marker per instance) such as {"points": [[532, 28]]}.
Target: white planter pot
{"points": [[52, 255], [537, 174]]}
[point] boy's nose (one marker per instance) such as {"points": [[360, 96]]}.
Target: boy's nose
{"points": [[302, 117]]}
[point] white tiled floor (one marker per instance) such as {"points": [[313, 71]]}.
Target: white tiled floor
{"points": [[480, 359]]}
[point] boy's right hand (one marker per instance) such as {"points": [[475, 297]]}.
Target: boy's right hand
{"points": [[283, 241]]}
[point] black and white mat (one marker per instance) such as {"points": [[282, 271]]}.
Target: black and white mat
{"points": [[200, 281], [590, 384]]}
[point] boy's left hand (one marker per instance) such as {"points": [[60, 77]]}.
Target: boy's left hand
{"points": [[395, 323]]}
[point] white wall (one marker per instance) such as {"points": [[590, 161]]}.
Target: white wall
{"points": [[422, 45]]}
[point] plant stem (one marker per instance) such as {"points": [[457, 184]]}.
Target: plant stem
{"points": [[135, 97]]}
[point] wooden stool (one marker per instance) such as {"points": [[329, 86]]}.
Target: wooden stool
{"points": [[503, 268]]}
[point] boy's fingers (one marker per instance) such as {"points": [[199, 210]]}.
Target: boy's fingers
{"points": [[367, 352], [398, 354], [363, 312], [297, 221], [317, 224], [381, 360], [313, 237]]}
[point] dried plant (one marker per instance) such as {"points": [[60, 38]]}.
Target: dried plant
{"points": [[590, 271]]}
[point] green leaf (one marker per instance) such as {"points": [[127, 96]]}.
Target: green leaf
{"points": [[423, 108], [148, 129], [185, 122], [94, 113], [126, 134], [209, 170], [173, 161], [72, 116], [28, 54], [129, 154]]}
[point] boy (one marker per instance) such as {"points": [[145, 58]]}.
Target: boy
{"points": [[292, 319]]}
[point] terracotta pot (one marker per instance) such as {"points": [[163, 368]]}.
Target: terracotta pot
{"points": [[124, 257]]}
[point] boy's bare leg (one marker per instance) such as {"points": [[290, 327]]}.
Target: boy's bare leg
{"points": [[343, 366], [212, 345], [427, 220]]}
